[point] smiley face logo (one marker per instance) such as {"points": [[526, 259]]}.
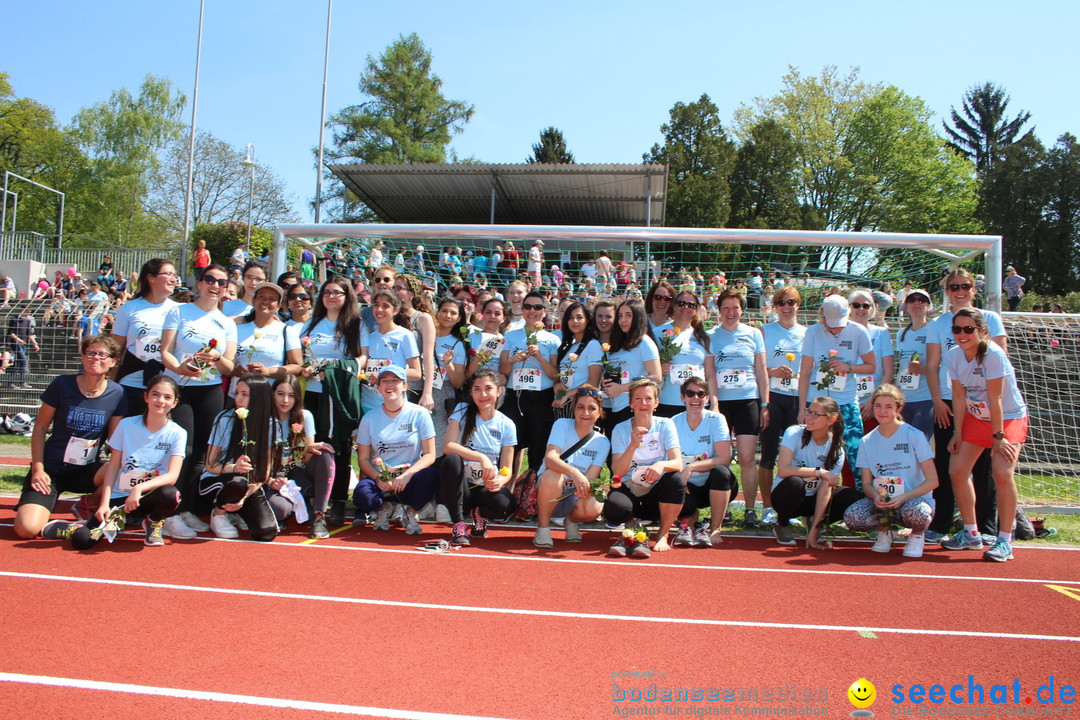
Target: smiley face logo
{"points": [[862, 693]]}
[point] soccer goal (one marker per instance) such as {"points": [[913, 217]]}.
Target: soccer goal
{"points": [[813, 261]]}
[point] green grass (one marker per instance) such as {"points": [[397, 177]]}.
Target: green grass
{"points": [[14, 440]]}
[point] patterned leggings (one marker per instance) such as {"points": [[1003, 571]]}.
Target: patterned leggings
{"points": [[915, 514], [853, 432]]}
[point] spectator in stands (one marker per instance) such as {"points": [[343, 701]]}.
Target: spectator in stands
{"points": [[122, 286], [202, 259], [106, 266], [7, 290], [21, 334], [1013, 285]]}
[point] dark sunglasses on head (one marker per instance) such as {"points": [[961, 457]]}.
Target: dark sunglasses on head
{"points": [[694, 393], [790, 301], [588, 392], [220, 282], [965, 329], [686, 304], [304, 298], [957, 287], [529, 306], [861, 306]]}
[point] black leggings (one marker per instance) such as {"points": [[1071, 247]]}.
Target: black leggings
{"points": [[533, 416], [156, 505], [789, 500], [460, 497], [720, 479], [945, 499], [339, 491], [221, 490], [622, 506], [196, 412]]}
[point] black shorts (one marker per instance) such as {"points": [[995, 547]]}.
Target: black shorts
{"points": [[66, 478], [743, 416]]}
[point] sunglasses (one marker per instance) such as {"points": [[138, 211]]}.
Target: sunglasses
{"points": [[664, 298], [588, 392], [301, 298], [790, 301], [686, 304], [694, 393], [957, 287], [860, 306], [529, 306], [917, 299], [965, 329], [383, 280], [220, 282]]}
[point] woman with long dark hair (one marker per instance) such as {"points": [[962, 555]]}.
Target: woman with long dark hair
{"points": [[198, 344], [578, 357], [137, 328], [417, 315], [452, 346], [389, 344], [632, 355], [659, 303]]}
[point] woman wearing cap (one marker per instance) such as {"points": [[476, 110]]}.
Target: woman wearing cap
{"points": [[659, 304], [742, 391], [78, 413], [646, 454], [898, 477], [198, 344], [834, 352], [475, 470], [571, 475], [960, 293], [416, 310], [266, 346], [137, 329], [918, 406], [530, 359], [863, 310], [396, 452], [694, 357], [783, 347], [988, 414]]}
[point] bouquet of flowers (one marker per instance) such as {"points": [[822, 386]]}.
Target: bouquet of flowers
{"points": [[828, 374], [600, 489], [114, 523], [669, 345], [634, 533]]}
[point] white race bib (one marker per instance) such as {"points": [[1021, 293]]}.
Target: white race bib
{"points": [[80, 451], [148, 348], [527, 379], [638, 485], [908, 381], [890, 486], [811, 484], [128, 480], [491, 344], [438, 378], [732, 379], [374, 365], [839, 382], [681, 373], [978, 409], [790, 384], [474, 471], [864, 385]]}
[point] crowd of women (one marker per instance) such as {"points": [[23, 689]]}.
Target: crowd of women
{"points": [[243, 415]]}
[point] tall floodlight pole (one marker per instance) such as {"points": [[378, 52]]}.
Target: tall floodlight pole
{"points": [[191, 146], [249, 162], [322, 115]]}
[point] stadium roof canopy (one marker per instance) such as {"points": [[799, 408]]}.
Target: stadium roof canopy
{"points": [[530, 194]]}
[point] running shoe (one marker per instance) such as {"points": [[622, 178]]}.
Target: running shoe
{"points": [[913, 548], [702, 536], [153, 532], [619, 548], [237, 521], [319, 530], [479, 528], [82, 509], [192, 521], [729, 520], [412, 524], [883, 544], [59, 529], [460, 534], [222, 527], [641, 550], [573, 532], [382, 519], [177, 529], [1001, 551], [933, 537], [336, 516], [769, 516], [750, 520], [542, 538], [784, 534], [360, 518], [685, 537], [963, 540]]}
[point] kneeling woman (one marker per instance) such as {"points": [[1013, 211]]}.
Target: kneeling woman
{"points": [[147, 453], [396, 450], [898, 477], [706, 449], [808, 475], [645, 452], [479, 447], [239, 461], [576, 454]]}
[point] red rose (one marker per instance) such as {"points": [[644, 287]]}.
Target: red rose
{"points": [[616, 482], [472, 353], [212, 344]]}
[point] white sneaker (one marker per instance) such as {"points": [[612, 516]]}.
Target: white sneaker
{"points": [[382, 519], [442, 515], [412, 525], [914, 546], [175, 528], [192, 521], [573, 532], [237, 521], [222, 527], [883, 544]]}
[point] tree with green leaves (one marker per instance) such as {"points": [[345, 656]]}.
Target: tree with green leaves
{"points": [[551, 149], [1063, 214], [763, 183], [983, 132], [405, 118]]}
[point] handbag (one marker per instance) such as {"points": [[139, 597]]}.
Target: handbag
{"points": [[526, 486]]}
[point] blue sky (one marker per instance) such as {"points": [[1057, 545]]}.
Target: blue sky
{"points": [[605, 73]]}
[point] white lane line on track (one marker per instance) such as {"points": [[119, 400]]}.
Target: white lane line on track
{"points": [[184, 694], [535, 612]]}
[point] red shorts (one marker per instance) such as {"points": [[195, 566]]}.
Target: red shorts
{"points": [[981, 433]]}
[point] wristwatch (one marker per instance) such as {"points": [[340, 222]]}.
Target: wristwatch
{"points": [[999, 436]]}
